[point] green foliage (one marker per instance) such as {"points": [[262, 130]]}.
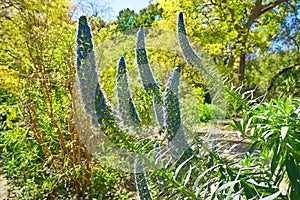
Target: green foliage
{"points": [[286, 82], [274, 72], [274, 129], [129, 20], [227, 30], [238, 101], [205, 113], [9, 87], [30, 175]]}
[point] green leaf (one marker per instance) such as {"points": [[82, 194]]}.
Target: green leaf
{"points": [[250, 192], [275, 159], [178, 169], [196, 183], [238, 126], [292, 171], [188, 176], [230, 185], [252, 147]]}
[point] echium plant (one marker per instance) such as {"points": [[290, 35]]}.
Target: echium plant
{"points": [[127, 110], [166, 108], [93, 98], [174, 131]]}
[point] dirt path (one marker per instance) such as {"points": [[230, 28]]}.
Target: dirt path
{"points": [[3, 182]]}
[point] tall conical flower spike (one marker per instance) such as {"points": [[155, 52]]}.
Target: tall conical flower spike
{"points": [[127, 109], [171, 101], [93, 98], [129, 116], [174, 133], [84, 41], [204, 63], [146, 74]]}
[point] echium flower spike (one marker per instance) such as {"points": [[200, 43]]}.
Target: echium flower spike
{"points": [[127, 108], [84, 41], [174, 133], [140, 180], [172, 111], [207, 68], [93, 98], [129, 116], [143, 64], [146, 74]]}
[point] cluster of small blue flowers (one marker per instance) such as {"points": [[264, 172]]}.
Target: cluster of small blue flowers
{"points": [[147, 78], [171, 102], [142, 61], [92, 96], [172, 114], [103, 111], [127, 108], [84, 40], [176, 139]]}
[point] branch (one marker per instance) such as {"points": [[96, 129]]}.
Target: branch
{"points": [[270, 6], [254, 13], [260, 9]]}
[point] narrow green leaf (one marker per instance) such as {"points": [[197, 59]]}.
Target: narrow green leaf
{"points": [[238, 126], [225, 186], [275, 159], [252, 147], [292, 171], [188, 176], [181, 165], [196, 183]]}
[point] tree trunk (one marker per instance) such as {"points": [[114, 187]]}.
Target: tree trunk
{"points": [[242, 67]]}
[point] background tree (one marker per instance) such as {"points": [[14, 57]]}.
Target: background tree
{"points": [[229, 30], [128, 19], [125, 19]]}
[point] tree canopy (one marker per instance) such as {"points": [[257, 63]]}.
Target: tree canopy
{"points": [[230, 30]]}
